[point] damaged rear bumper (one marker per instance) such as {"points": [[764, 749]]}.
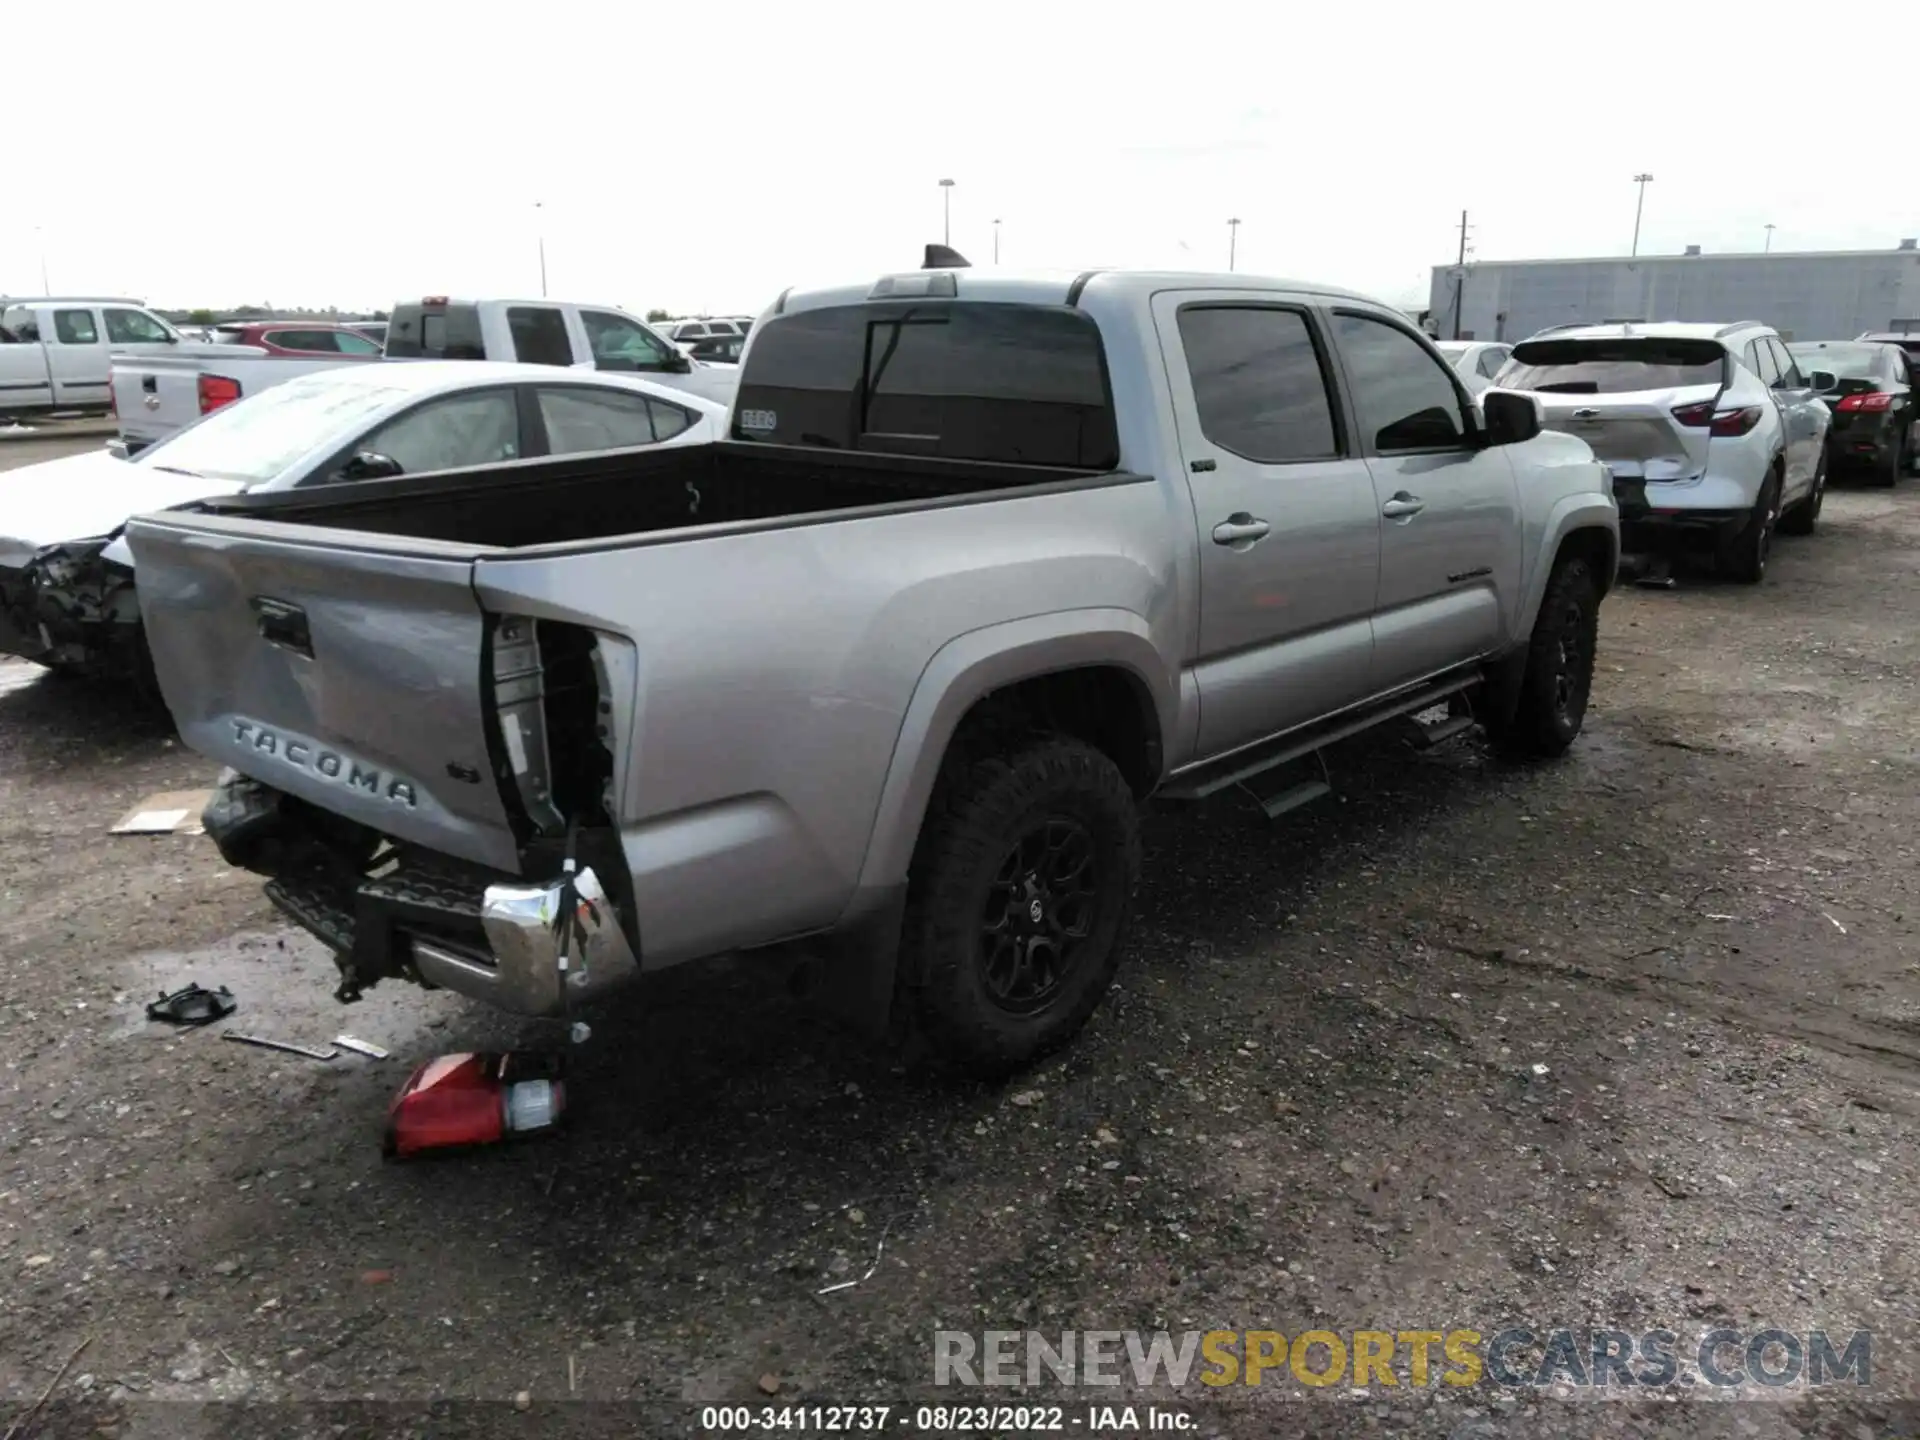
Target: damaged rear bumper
{"points": [[530, 948]]}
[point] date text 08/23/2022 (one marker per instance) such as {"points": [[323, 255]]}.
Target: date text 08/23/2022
{"points": [[1089, 1420]]}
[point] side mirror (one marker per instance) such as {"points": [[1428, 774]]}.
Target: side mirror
{"points": [[678, 364], [1512, 417], [1823, 381], [371, 465]]}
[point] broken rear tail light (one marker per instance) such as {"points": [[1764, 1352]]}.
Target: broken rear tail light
{"points": [[1878, 400], [1702, 416], [215, 391], [459, 1101]]}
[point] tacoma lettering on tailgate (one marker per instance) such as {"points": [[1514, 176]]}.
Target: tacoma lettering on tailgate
{"points": [[329, 764]]}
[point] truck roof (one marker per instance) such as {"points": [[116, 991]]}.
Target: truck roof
{"points": [[1056, 287]]}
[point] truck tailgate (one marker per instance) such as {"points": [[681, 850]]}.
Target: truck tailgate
{"points": [[350, 670], [153, 399]]}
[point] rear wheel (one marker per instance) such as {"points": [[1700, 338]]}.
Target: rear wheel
{"points": [[1018, 900], [1800, 518], [1887, 473], [1559, 674], [1744, 553]]}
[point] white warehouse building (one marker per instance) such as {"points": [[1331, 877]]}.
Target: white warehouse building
{"points": [[1830, 295]]}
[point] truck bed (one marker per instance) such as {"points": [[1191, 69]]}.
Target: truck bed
{"points": [[548, 502]]}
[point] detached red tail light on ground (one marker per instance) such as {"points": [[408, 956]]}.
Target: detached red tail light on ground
{"points": [[460, 1101], [1878, 400], [215, 391]]}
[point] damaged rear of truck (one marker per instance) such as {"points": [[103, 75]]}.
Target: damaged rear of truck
{"points": [[519, 734]]}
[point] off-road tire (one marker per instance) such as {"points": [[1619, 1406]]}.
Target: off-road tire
{"points": [[983, 809], [1558, 679], [1801, 518], [1744, 554]]}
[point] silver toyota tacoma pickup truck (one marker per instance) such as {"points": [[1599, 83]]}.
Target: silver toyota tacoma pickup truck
{"points": [[875, 686]]}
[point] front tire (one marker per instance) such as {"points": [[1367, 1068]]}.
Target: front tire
{"points": [[1744, 554], [1801, 518], [1559, 668], [1017, 900]]}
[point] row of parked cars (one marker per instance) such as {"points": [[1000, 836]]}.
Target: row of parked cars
{"points": [[1717, 435]]}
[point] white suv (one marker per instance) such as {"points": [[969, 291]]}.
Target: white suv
{"points": [[1711, 431]]}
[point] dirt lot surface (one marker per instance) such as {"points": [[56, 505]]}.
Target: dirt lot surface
{"points": [[1628, 1041]]}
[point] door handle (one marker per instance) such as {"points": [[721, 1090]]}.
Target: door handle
{"points": [[1241, 529], [1403, 506]]}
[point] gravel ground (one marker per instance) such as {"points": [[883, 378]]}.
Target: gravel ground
{"points": [[1627, 1041]]}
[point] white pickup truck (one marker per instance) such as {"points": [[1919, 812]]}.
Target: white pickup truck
{"points": [[55, 353], [154, 398]]}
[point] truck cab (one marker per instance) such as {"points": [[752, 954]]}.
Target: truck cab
{"points": [[56, 353]]}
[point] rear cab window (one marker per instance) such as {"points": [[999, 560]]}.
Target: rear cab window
{"points": [[1615, 365], [436, 331], [1010, 383], [539, 335]]}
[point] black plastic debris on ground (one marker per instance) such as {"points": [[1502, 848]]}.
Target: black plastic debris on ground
{"points": [[193, 1005]]}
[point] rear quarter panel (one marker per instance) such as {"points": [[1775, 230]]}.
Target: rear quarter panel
{"points": [[774, 671]]}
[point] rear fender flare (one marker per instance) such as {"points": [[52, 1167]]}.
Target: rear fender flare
{"points": [[972, 666]]}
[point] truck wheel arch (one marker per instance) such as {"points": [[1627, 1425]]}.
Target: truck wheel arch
{"points": [[1040, 651]]}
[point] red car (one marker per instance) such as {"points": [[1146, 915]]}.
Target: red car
{"points": [[296, 337]]}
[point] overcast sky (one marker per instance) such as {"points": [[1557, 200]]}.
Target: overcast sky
{"points": [[702, 156]]}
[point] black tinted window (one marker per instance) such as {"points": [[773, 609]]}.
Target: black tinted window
{"points": [[1024, 384], [449, 334], [1613, 366], [1404, 394], [1257, 382], [539, 335]]}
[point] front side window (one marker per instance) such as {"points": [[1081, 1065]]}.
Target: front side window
{"points": [[1258, 382], [1405, 395], [580, 418], [480, 427], [135, 327], [620, 344], [1491, 359], [75, 327], [539, 335]]}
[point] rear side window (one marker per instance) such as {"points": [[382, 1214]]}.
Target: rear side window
{"points": [[1614, 366], [581, 418], [312, 342], [75, 327], [539, 335], [1020, 384], [453, 333], [1258, 382], [1491, 360]]}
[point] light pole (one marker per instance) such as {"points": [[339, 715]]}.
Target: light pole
{"points": [[946, 212], [996, 242], [540, 238], [1767, 249], [1233, 242], [1641, 180]]}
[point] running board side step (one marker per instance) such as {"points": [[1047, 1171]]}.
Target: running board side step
{"points": [[1236, 769], [1293, 797]]}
